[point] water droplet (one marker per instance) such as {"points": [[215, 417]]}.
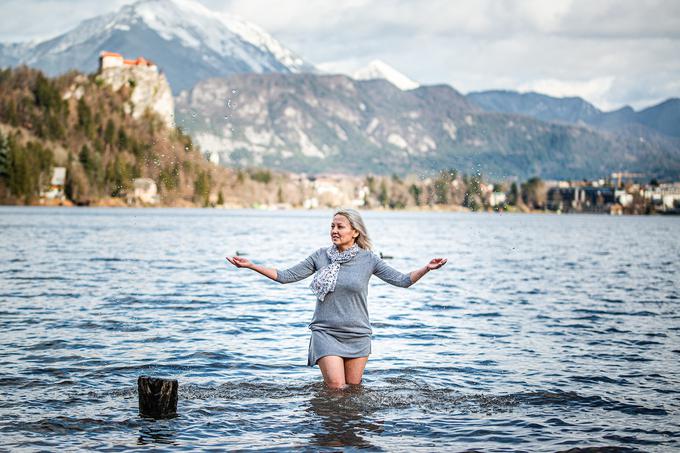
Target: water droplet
{"points": [[186, 148]]}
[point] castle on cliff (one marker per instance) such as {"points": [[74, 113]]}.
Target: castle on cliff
{"points": [[116, 60], [150, 88]]}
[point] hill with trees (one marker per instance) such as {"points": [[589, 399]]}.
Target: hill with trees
{"points": [[80, 123]]}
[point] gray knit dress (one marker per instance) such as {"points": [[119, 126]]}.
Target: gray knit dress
{"points": [[340, 325]]}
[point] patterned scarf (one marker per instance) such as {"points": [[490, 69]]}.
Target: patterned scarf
{"points": [[324, 280]]}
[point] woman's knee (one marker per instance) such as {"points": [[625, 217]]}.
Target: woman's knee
{"points": [[333, 371], [336, 384]]}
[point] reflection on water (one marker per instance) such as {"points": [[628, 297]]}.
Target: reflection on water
{"points": [[155, 432], [542, 333], [343, 423]]}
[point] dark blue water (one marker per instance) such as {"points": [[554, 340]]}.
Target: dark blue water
{"points": [[542, 332]]}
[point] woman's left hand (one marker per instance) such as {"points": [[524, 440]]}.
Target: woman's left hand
{"points": [[436, 263]]}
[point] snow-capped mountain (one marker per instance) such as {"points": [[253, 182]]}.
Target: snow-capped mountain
{"points": [[377, 69], [185, 39]]}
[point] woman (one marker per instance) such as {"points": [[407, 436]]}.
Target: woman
{"points": [[341, 331]]}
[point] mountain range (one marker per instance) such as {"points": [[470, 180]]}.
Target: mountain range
{"points": [[185, 39], [245, 96], [332, 123]]}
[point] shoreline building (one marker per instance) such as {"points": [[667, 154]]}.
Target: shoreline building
{"points": [[57, 184], [144, 191]]}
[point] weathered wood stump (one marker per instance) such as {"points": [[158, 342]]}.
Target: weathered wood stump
{"points": [[157, 397]]}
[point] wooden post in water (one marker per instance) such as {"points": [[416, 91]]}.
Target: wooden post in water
{"points": [[157, 397]]}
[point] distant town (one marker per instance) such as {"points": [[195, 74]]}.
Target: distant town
{"points": [[618, 194]]}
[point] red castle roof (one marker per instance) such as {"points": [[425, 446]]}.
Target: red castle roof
{"points": [[105, 53], [140, 61]]}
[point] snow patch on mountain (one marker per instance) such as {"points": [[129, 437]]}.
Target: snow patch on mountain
{"points": [[377, 69], [194, 25]]}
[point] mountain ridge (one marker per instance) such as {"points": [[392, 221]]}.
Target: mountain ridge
{"points": [[319, 123], [663, 118]]}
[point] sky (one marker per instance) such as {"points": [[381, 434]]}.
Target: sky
{"points": [[609, 52]]}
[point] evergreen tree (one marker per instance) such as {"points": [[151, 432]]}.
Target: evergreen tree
{"points": [[28, 167], [169, 177], [441, 188], [46, 94], [120, 176], [514, 194], [383, 197], [109, 132], [12, 115], [122, 139], [263, 176], [85, 122], [415, 191], [202, 188], [4, 151], [85, 157], [370, 183], [472, 197]]}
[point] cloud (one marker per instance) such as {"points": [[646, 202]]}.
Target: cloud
{"points": [[347, 66], [481, 18], [593, 89], [38, 20]]}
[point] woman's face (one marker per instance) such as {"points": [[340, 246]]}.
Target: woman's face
{"points": [[342, 233]]}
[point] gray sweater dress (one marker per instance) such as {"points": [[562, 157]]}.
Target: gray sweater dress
{"points": [[340, 325]]}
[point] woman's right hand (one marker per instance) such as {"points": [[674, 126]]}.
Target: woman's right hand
{"points": [[239, 261]]}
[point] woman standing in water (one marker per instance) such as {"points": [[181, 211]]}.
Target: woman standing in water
{"points": [[341, 331]]}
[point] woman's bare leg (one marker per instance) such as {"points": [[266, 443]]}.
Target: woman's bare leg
{"points": [[333, 370], [354, 370]]}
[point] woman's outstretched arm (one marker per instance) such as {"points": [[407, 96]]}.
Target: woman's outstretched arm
{"points": [[394, 277], [244, 262], [435, 263], [300, 271]]}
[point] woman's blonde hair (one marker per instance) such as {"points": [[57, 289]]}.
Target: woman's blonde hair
{"points": [[355, 220]]}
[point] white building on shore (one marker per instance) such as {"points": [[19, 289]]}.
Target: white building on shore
{"points": [[144, 191]]}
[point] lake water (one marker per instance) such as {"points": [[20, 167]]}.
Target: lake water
{"points": [[542, 333]]}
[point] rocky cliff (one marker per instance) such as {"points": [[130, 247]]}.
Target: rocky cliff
{"points": [[150, 90]]}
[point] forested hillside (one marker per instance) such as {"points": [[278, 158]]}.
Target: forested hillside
{"points": [[77, 122]]}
